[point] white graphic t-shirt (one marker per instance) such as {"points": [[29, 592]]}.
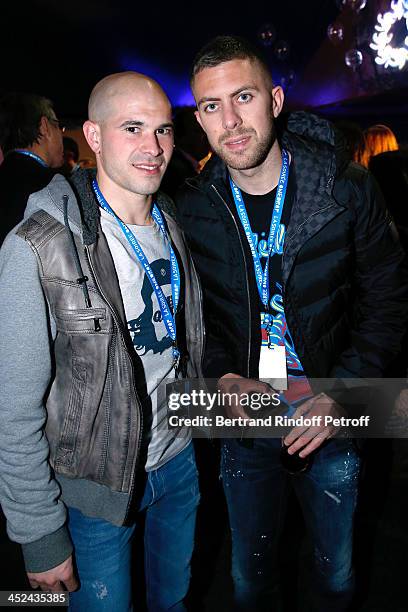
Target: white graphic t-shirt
{"points": [[147, 330]]}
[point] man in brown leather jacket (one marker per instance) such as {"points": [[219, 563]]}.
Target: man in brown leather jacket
{"points": [[100, 304]]}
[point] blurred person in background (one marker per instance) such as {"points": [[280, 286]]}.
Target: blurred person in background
{"points": [[191, 146], [389, 164], [87, 162], [71, 156], [354, 138], [378, 139], [31, 141]]}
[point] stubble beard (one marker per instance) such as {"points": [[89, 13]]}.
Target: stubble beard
{"points": [[247, 159]]}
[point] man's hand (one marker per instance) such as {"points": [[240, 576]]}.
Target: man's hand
{"points": [[235, 384], [310, 438], [57, 579]]}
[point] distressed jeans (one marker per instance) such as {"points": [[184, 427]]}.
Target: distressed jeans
{"points": [[256, 488], [103, 551]]}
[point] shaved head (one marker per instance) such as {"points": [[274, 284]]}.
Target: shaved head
{"points": [[130, 130], [107, 93]]}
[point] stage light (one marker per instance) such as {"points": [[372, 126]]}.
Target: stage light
{"points": [[388, 55]]}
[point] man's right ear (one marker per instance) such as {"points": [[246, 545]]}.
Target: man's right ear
{"points": [[44, 127], [92, 135]]}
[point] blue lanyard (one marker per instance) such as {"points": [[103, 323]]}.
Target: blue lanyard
{"points": [[168, 317], [262, 276], [32, 155]]}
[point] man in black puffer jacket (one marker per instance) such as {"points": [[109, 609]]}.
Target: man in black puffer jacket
{"points": [[301, 269]]}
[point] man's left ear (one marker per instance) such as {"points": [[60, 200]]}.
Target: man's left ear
{"points": [[278, 98]]}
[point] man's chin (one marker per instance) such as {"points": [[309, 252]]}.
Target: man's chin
{"points": [[237, 162], [149, 187]]}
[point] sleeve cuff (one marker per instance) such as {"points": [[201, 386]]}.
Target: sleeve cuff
{"points": [[48, 552]]}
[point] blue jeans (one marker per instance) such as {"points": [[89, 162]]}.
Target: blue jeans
{"points": [[103, 550], [256, 488]]}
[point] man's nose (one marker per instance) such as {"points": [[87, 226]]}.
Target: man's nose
{"points": [[231, 118], [151, 145]]}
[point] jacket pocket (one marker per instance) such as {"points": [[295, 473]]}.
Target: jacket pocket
{"points": [[80, 320], [69, 434]]}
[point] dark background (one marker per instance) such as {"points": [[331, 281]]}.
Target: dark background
{"points": [[61, 49]]}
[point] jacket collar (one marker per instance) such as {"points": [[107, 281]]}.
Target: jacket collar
{"points": [[319, 156]]}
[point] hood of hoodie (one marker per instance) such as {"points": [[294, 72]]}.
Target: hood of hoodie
{"points": [[50, 199], [83, 208], [306, 136]]}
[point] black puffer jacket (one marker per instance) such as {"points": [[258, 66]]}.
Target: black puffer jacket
{"points": [[344, 274]]}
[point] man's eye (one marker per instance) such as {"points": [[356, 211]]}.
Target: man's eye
{"points": [[245, 97], [210, 108], [164, 131], [133, 129]]}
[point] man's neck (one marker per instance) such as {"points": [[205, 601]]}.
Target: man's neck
{"points": [[37, 150], [131, 208], [263, 178]]}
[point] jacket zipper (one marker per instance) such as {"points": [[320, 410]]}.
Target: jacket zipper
{"points": [[119, 326], [202, 328], [247, 279]]}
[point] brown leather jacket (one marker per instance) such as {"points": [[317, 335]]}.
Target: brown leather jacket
{"points": [[94, 418]]}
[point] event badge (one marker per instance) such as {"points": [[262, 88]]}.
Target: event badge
{"points": [[272, 366]]}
